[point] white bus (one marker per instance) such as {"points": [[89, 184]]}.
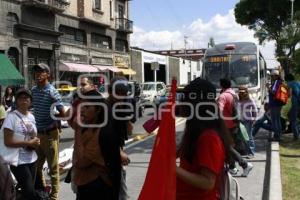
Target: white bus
{"points": [[242, 63]]}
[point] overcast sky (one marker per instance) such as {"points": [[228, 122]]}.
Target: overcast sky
{"points": [[162, 24]]}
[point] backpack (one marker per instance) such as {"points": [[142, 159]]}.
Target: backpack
{"points": [[282, 94], [229, 187], [7, 187], [235, 113]]}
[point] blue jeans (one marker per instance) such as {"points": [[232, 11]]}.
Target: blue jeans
{"points": [[251, 143], [293, 118], [262, 122], [275, 120]]}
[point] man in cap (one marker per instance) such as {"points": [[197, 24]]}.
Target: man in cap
{"points": [[44, 97], [274, 105]]}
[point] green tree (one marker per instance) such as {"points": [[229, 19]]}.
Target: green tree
{"points": [[271, 20]]}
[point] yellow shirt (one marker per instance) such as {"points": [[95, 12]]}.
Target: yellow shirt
{"points": [[2, 112]]}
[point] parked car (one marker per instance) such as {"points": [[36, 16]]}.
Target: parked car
{"points": [[152, 89], [164, 98]]}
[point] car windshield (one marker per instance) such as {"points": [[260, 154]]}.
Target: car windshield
{"points": [[148, 87], [240, 69]]}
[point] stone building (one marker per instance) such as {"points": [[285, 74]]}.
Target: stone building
{"points": [[72, 36]]}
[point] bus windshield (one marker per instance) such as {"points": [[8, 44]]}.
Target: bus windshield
{"points": [[240, 69]]}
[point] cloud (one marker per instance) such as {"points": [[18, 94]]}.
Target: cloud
{"points": [[222, 28]]}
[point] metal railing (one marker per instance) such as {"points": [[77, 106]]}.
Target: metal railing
{"points": [[57, 4], [123, 24]]}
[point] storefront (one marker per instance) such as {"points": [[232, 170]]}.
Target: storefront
{"points": [[122, 61], [149, 60]]}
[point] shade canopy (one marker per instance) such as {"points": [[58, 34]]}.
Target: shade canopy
{"points": [[127, 71], [9, 75], [105, 68], [75, 67]]}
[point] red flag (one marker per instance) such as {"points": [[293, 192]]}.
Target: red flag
{"points": [[160, 182]]}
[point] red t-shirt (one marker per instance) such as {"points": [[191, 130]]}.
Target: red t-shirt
{"points": [[210, 154]]}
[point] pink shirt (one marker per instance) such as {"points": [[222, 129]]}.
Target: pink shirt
{"points": [[225, 102]]}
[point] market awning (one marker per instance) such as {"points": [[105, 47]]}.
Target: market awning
{"points": [[9, 75], [75, 67], [127, 71], [105, 68]]}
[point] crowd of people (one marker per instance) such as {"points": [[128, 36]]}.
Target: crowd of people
{"points": [[28, 139]]}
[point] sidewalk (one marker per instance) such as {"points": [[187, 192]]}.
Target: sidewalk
{"points": [[255, 187]]}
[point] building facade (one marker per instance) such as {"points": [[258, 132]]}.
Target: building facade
{"points": [[150, 66], [71, 36]]}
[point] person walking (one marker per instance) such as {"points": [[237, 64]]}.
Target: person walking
{"points": [[205, 147], [226, 102], [96, 158], [8, 98], [44, 97], [20, 141], [248, 115], [294, 111], [118, 99], [275, 106]]}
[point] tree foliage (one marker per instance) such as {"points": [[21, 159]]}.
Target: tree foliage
{"points": [[271, 20]]}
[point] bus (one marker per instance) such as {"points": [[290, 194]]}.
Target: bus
{"points": [[242, 63]]}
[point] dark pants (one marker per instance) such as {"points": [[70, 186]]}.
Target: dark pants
{"points": [[262, 122], [25, 175], [236, 157], [293, 115], [276, 123], [95, 190]]}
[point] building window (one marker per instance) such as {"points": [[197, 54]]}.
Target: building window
{"points": [[100, 41], [111, 9], [72, 35], [11, 20], [121, 45], [97, 4]]}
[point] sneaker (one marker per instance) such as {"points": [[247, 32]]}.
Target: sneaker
{"points": [[247, 170], [233, 171]]}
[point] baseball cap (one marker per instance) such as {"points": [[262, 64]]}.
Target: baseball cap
{"points": [[41, 67], [275, 72], [23, 91]]}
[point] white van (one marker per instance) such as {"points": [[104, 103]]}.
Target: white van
{"points": [[152, 89]]}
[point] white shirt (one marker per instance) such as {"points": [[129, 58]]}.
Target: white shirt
{"points": [[25, 127]]}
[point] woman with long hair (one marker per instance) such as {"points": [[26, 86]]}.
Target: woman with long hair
{"points": [[8, 98], [248, 115], [205, 145]]}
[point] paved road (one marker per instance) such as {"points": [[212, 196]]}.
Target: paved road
{"points": [[255, 187]]}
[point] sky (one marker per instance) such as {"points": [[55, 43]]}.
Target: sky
{"points": [[162, 25]]}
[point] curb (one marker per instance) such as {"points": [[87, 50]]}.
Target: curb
{"points": [[275, 191]]}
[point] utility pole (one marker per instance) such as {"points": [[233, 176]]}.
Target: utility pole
{"points": [[292, 11]]}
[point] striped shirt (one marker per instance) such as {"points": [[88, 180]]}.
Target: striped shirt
{"points": [[43, 99]]}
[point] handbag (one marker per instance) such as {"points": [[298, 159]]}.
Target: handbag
{"points": [[151, 125]]}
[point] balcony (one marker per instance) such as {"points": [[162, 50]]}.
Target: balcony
{"points": [[55, 5], [125, 25]]}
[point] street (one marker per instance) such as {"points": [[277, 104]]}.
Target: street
{"points": [[255, 187]]}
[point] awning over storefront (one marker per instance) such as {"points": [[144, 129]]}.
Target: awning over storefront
{"points": [[127, 71], [105, 68], [75, 67], [9, 75]]}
